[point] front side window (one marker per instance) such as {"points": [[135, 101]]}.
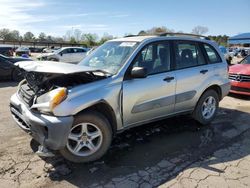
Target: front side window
{"points": [[65, 51], [188, 55], [154, 57], [110, 56], [213, 56]]}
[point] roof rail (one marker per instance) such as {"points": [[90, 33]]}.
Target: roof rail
{"points": [[184, 34], [131, 36]]}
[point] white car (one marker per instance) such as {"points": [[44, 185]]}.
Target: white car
{"points": [[66, 55]]}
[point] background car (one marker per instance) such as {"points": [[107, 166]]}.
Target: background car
{"points": [[8, 70], [6, 50], [66, 55], [22, 50], [36, 49], [50, 50], [226, 54], [239, 76]]}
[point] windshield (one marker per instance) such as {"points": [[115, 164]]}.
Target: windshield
{"points": [[246, 60], [22, 48], [110, 56]]}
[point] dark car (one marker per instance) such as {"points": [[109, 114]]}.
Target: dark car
{"points": [[22, 50], [36, 49], [6, 50], [8, 70]]}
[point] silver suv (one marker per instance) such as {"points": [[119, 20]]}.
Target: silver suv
{"points": [[78, 109]]}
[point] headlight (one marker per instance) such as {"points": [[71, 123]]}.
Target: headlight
{"points": [[48, 101]]}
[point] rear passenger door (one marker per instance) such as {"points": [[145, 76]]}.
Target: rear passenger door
{"points": [[79, 54], [214, 60], [192, 74]]}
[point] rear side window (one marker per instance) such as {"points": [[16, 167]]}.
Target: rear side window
{"points": [[188, 54], [212, 55], [78, 50]]}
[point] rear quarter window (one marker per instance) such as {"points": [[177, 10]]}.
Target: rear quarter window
{"points": [[212, 54]]}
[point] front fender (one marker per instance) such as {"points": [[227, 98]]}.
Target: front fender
{"points": [[110, 93]]}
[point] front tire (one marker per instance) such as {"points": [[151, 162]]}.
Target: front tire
{"points": [[89, 138], [206, 107]]}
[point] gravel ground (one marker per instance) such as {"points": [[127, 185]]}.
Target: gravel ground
{"points": [[176, 152]]}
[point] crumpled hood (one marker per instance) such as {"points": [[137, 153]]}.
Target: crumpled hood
{"points": [[52, 67], [240, 69]]}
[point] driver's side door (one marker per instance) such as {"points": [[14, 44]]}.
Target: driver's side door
{"points": [[152, 97], [66, 55]]}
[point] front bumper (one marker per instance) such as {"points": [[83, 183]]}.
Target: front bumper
{"points": [[49, 131], [242, 88]]}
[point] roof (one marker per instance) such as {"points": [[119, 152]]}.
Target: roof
{"points": [[142, 38], [243, 38], [240, 36], [135, 38], [72, 47]]}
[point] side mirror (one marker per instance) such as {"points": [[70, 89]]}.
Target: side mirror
{"points": [[139, 72], [61, 54]]}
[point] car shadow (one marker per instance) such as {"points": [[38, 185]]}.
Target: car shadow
{"points": [[238, 96], [180, 141]]}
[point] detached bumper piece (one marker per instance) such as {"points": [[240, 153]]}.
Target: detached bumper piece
{"points": [[44, 152], [50, 131]]}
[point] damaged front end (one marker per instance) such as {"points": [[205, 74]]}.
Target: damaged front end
{"points": [[45, 86], [43, 91]]}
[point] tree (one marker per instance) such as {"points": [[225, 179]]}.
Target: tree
{"points": [[4, 34], [42, 37], [58, 39], [28, 36], [159, 30], [14, 35], [49, 38], [89, 39], [199, 30], [105, 38], [221, 40], [72, 40], [142, 32], [77, 33]]}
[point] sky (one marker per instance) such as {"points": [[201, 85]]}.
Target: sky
{"points": [[118, 17]]}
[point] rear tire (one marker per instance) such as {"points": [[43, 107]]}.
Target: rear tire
{"points": [[81, 147], [207, 107]]}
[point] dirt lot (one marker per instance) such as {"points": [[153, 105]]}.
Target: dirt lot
{"points": [[175, 152]]}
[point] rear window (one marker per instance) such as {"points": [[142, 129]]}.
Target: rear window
{"points": [[212, 54], [188, 54]]}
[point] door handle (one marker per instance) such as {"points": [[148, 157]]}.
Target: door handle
{"points": [[203, 71], [168, 78]]}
